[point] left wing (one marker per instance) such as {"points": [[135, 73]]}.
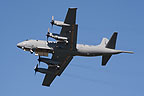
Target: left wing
{"points": [[63, 58], [49, 77]]}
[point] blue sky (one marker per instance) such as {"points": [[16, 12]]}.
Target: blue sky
{"points": [[29, 19]]}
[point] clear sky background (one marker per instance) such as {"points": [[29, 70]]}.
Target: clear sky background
{"points": [[29, 19]]}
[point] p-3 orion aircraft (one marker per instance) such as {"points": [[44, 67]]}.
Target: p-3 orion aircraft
{"points": [[65, 48]]}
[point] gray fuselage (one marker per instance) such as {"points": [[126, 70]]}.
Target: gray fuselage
{"points": [[81, 49]]}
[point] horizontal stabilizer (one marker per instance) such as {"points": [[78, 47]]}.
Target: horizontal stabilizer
{"points": [[105, 59], [112, 42]]}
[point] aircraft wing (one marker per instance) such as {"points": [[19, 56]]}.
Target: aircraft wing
{"points": [[49, 77], [60, 56], [63, 58], [70, 31]]}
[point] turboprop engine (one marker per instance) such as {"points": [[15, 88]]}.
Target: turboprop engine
{"points": [[56, 37], [44, 70], [47, 61], [58, 23]]}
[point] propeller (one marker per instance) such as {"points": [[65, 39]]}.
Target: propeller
{"points": [[52, 22], [48, 34], [36, 69], [39, 59]]}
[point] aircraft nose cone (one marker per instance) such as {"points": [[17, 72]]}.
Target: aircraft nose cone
{"points": [[19, 45]]}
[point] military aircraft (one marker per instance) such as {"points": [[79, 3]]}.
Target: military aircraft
{"points": [[65, 48]]}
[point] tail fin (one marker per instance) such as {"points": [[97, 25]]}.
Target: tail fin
{"points": [[112, 42]]}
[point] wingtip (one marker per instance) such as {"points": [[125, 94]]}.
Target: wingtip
{"points": [[73, 8], [115, 32], [45, 85]]}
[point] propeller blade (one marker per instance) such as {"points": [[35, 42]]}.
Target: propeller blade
{"points": [[52, 17], [48, 30], [52, 22], [47, 38], [36, 69], [48, 33], [35, 72], [39, 60]]}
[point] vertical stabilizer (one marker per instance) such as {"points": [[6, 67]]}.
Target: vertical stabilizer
{"points": [[112, 42]]}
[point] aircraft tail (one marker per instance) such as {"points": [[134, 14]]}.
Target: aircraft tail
{"points": [[110, 44]]}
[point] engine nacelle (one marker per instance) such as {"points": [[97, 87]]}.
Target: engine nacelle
{"points": [[48, 61], [59, 38], [59, 23], [46, 71], [56, 36], [42, 70]]}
